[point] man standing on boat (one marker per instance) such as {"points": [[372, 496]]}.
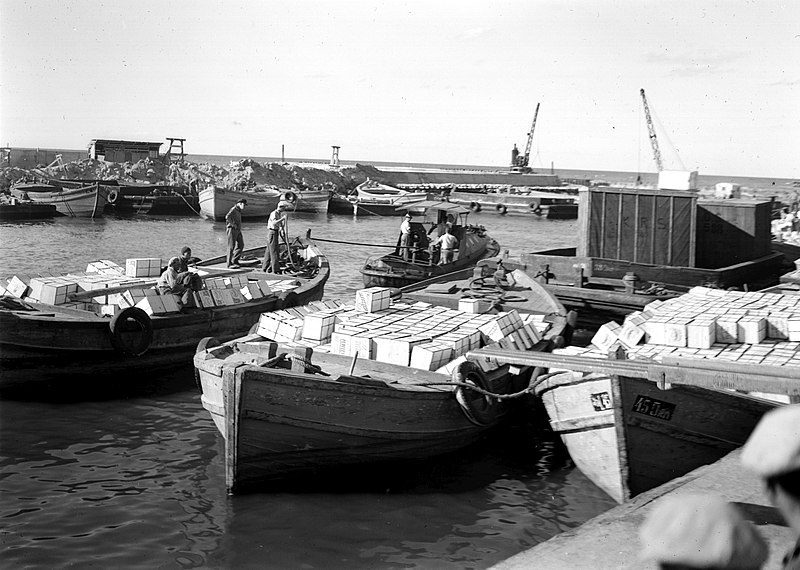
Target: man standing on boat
{"points": [[405, 237], [449, 245], [233, 227], [773, 453], [275, 225]]}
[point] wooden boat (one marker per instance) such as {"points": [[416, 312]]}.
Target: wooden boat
{"points": [[44, 341], [628, 434], [14, 209], [393, 270], [316, 411], [216, 202], [87, 201], [375, 199], [624, 260], [314, 201], [635, 416], [552, 203]]}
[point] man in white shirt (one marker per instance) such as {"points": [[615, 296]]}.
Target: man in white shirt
{"points": [[275, 225], [449, 245], [405, 237]]}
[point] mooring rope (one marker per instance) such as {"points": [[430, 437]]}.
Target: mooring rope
{"points": [[355, 243]]}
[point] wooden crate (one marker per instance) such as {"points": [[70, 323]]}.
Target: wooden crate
{"points": [[732, 231], [642, 226]]}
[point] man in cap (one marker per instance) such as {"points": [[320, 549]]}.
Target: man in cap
{"points": [[700, 532], [275, 225], [773, 452], [405, 237], [233, 227]]}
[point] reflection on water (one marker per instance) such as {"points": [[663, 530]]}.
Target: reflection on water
{"points": [[116, 474]]}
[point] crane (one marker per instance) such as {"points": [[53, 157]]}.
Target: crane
{"points": [[520, 161], [651, 133]]}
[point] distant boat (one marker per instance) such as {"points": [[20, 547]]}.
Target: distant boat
{"points": [[86, 201], [393, 270], [375, 199], [314, 201], [216, 202], [550, 202]]}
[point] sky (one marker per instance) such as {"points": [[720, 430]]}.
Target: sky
{"points": [[445, 82]]}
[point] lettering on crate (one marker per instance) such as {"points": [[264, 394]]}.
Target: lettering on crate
{"points": [[601, 401]]}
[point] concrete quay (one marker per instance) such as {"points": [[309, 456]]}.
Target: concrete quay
{"points": [[611, 540]]}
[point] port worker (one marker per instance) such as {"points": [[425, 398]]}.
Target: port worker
{"points": [[773, 452], [186, 259], [448, 244], [175, 283], [405, 237], [275, 226], [700, 532], [233, 227]]}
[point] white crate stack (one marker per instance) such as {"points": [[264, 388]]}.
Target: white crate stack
{"points": [[747, 327], [417, 335], [144, 266]]}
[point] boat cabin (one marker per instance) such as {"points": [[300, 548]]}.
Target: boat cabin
{"points": [[431, 218]]}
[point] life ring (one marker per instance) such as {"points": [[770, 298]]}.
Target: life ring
{"points": [[288, 299], [202, 346], [474, 206], [536, 208], [120, 326], [479, 409], [501, 209], [113, 196], [290, 197]]}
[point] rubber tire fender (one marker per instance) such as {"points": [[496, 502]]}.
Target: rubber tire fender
{"points": [[536, 207], [202, 346], [113, 196], [501, 209], [474, 206], [482, 410], [145, 324], [290, 197]]}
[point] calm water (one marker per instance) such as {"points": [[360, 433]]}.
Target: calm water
{"points": [[131, 475]]}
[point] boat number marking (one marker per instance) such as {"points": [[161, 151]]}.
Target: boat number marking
{"points": [[653, 408], [601, 401]]}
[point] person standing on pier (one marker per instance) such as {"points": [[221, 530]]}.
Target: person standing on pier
{"points": [[773, 453], [233, 227], [275, 226]]}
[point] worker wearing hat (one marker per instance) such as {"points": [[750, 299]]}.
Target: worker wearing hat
{"points": [[773, 452], [405, 236], [700, 532], [233, 227], [275, 225]]}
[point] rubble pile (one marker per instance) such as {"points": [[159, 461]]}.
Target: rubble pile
{"points": [[242, 174]]}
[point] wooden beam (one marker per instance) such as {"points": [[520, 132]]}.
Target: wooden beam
{"points": [[686, 371]]}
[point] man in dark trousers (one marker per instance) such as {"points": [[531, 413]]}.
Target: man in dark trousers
{"points": [[275, 226], [233, 226]]}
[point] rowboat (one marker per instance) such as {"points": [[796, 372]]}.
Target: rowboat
{"points": [[375, 199], [86, 201], [397, 270], [44, 340], [314, 201], [289, 407], [216, 202]]}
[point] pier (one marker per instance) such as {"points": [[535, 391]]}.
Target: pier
{"points": [[610, 540]]}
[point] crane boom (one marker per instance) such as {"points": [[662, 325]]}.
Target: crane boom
{"points": [[652, 133], [527, 154]]}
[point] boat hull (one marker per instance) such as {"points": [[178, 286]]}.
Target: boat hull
{"points": [[54, 343], [215, 203], [628, 436], [88, 201], [313, 201]]}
